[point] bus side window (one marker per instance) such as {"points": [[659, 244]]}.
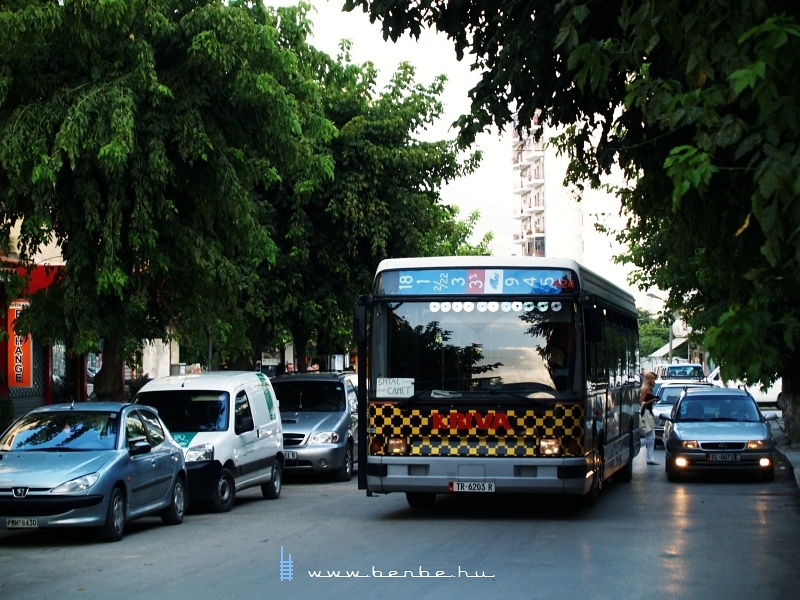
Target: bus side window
{"points": [[593, 323]]}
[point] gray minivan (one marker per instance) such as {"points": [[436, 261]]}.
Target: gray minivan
{"points": [[320, 420]]}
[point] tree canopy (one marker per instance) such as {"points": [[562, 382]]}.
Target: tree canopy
{"points": [[206, 174], [143, 137], [383, 199], [697, 103]]}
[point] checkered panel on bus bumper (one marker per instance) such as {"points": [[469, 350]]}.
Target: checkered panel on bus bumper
{"points": [[512, 433]]}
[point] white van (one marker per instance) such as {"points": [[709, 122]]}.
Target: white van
{"points": [[229, 426], [765, 398]]}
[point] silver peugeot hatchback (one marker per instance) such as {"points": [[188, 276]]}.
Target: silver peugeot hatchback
{"points": [[90, 464]]}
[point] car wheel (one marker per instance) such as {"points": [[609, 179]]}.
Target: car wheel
{"points": [[590, 498], [173, 514], [114, 526], [672, 474], [225, 493], [420, 499], [272, 489], [345, 472]]}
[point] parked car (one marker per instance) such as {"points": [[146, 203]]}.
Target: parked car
{"points": [[718, 429], [320, 421], [668, 394], [770, 397], [229, 426], [681, 371], [98, 464]]}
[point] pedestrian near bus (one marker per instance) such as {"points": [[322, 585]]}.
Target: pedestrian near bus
{"points": [[646, 418]]}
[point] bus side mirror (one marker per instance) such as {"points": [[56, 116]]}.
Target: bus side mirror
{"points": [[360, 319]]}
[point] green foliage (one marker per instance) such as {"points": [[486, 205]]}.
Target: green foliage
{"points": [[381, 199], [697, 103], [652, 334], [144, 138]]}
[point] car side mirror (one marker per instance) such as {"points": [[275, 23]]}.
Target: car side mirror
{"points": [[138, 447]]}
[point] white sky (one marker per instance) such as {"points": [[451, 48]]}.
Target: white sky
{"points": [[488, 190]]}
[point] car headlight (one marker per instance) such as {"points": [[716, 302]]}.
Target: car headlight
{"points": [[324, 437], [690, 444], [200, 453], [77, 485], [759, 444]]}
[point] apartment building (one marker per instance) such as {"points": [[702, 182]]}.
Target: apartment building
{"points": [[556, 221]]}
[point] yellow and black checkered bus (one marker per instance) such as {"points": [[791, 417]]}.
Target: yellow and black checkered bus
{"points": [[487, 374]]}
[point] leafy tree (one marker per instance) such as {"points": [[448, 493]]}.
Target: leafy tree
{"points": [[382, 199], [652, 334], [145, 138], [697, 102]]}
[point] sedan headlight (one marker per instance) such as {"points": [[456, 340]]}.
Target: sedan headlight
{"points": [[690, 444], [759, 444], [324, 437], [200, 453], [77, 485]]}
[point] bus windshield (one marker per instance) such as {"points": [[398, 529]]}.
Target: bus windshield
{"points": [[463, 348]]}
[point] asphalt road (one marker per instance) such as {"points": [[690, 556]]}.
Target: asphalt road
{"points": [[710, 538]]}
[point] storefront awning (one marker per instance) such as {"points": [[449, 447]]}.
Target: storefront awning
{"points": [[664, 350]]}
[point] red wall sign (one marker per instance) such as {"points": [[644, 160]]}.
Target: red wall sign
{"points": [[20, 350]]}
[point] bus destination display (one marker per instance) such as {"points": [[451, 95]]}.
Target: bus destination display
{"points": [[477, 281]]}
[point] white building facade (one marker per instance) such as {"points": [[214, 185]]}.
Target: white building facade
{"points": [[555, 222]]}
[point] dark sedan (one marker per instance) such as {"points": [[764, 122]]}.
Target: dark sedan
{"points": [[90, 464], [718, 430]]}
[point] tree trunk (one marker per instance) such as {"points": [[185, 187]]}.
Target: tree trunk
{"points": [[791, 412], [300, 339], [109, 383], [255, 334]]}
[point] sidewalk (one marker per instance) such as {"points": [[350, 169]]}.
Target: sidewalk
{"points": [[789, 454]]}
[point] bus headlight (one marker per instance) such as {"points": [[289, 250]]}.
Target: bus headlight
{"points": [[549, 447], [396, 446]]}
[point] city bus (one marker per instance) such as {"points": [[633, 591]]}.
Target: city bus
{"points": [[480, 374]]}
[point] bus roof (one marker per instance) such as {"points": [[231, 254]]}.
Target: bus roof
{"points": [[590, 281]]}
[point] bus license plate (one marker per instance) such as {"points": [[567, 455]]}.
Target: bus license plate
{"points": [[724, 456], [21, 523], [471, 486], [290, 455]]}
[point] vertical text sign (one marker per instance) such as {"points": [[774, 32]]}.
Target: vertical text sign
{"points": [[20, 351]]}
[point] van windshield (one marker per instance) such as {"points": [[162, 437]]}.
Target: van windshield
{"points": [[189, 411]]}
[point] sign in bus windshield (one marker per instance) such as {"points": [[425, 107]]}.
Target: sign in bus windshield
{"points": [[476, 281]]}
